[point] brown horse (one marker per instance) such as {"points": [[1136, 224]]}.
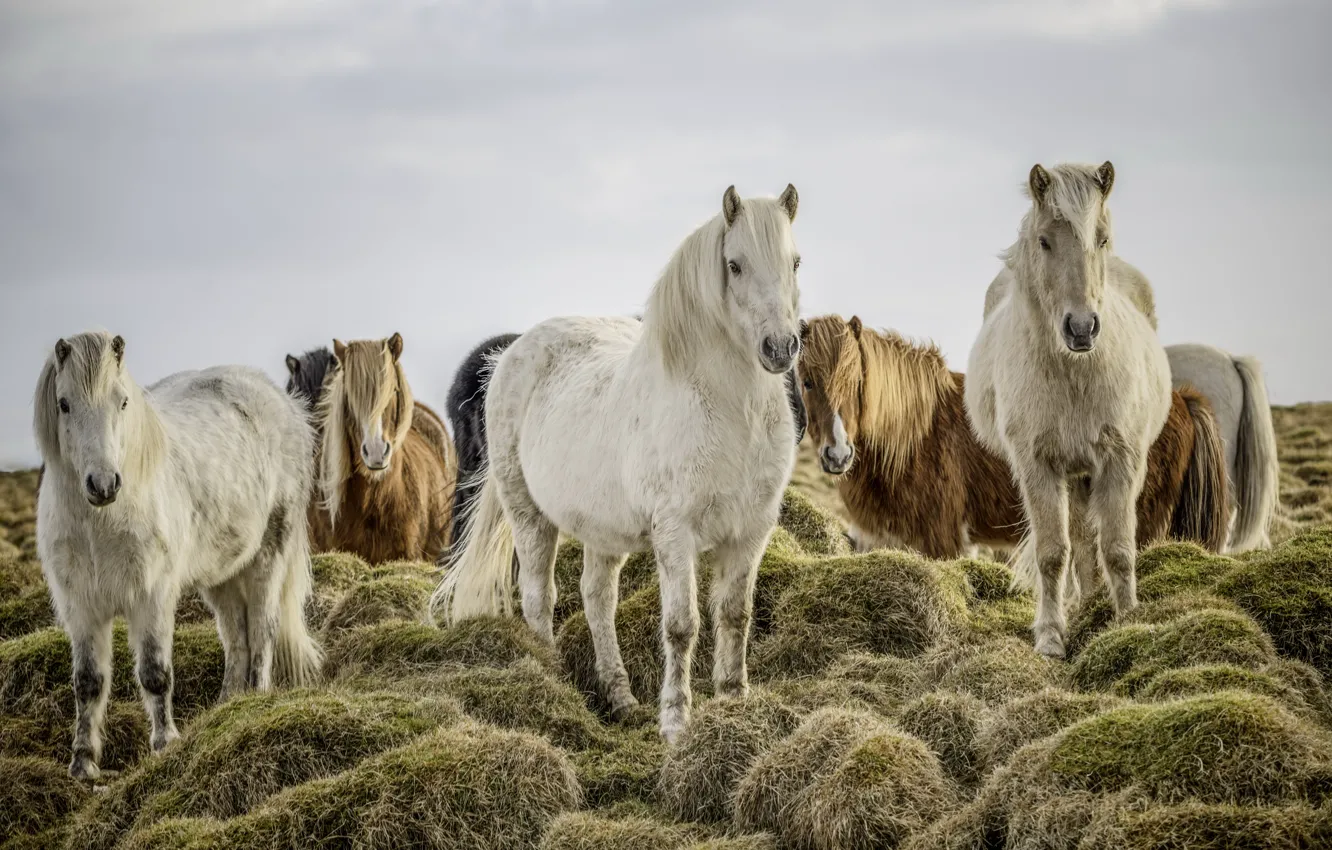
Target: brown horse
{"points": [[386, 464], [888, 418]]}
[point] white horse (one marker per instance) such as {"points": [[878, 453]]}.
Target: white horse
{"points": [[1068, 381], [201, 481], [673, 433], [1235, 387]]}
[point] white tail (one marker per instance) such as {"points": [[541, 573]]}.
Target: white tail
{"points": [[298, 656], [1256, 469], [479, 581]]}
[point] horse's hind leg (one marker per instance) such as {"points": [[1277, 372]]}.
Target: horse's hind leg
{"points": [[228, 604], [150, 632], [1045, 498], [732, 610], [601, 592], [534, 539], [90, 644], [1114, 506]]}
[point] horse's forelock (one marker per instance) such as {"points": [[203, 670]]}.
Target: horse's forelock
{"points": [[1075, 196], [827, 356], [902, 383], [369, 377]]}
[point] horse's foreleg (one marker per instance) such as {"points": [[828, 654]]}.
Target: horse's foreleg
{"points": [[674, 547], [732, 609], [1114, 505], [1045, 498], [601, 593], [90, 644], [229, 607], [150, 633]]}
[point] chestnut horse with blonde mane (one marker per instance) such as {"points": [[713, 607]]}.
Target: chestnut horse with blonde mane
{"points": [[386, 473], [889, 420]]}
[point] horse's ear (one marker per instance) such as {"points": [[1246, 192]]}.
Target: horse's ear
{"points": [[789, 200], [118, 349], [730, 205], [395, 346], [62, 351], [339, 350], [854, 325], [1105, 177], [1038, 182], [293, 364], [804, 331]]}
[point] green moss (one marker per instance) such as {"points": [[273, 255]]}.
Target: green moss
{"points": [[1219, 748], [777, 778], [817, 532], [36, 795], [1032, 718], [1126, 658], [407, 647], [392, 597], [1211, 678], [253, 746], [883, 602], [883, 789], [1000, 671], [1201, 826], [721, 740], [338, 570], [949, 723], [1289, 591]]}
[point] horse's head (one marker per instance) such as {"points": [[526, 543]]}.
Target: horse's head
{"points": [[1065, 246], [831, 374], [306, 374], [760, 259], [80, 411], [373, 400]]}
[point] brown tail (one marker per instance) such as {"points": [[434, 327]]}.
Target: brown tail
{"points": [[1203, 511]]}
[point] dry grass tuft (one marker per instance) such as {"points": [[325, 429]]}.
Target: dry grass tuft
{"points": [[1034, 717], [404, 648], [35, 796], [949, 723]]}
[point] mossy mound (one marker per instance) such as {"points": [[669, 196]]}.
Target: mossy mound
{"points": [[37, 692], [1126, 658], [856, 680], [591, 831], [776, 779], [949, 723], [1213, 678], [35, 796], [401, 647], [884, 602], [338, 570], [1200, 826], [1222, 748], [1307, 680], [394, 597], [253, 746], [714, 751], [817, 532], [989, 581], [1034, 717], [761, 841], [1010, 617], [466, 787], [883, 789], [27, 610], [1288, 590], [998, 671], [622, 767]]}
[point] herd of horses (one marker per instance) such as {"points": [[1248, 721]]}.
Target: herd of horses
{"points": [[1075, 440]]}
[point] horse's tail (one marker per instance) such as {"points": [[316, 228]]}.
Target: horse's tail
{"points": [[298, 656], [1256, 469], [478, 581], [1203, 510]]}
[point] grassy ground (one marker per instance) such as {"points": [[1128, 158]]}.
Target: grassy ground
{"points": [[895, 702]]}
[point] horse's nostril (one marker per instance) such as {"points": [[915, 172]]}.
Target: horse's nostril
{"points": [[115, 487], [88, 483], [1068, 325], [1096, 324], [792, 346]]}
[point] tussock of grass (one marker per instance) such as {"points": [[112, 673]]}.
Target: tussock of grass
{"points": [[36, 794], [1011, 617], [622, 767], [714, 751], [1034, 717], [996, 671], [1213, 678], [393, 597], [1289, 591], [27, 610], [884, 788], [817, 532], [949, 723], [1201, 826], [460, 788], [774, 781], [591, 831], [253, 746], [883, 602], [989, 581], [400, 647], [338, 570], [1126, 658]]}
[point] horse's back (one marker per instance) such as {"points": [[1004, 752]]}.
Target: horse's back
{"points": [[1211, 371], [1135, 286]]}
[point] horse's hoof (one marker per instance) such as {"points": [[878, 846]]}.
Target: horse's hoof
{"points": [[624, 709], [1051, 645], [83, 769], [160, 742]]}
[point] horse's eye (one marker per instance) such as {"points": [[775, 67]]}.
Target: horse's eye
{"points": [[809, 385], [64, 406], [1104, 241], [733, 266], [124, 404], [796, 267], [1045, 244]]}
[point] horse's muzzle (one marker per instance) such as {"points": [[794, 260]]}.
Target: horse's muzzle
{"points": [[835, 462], [777, 353], [102, 493]]}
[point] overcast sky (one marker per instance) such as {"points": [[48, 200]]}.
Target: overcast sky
{"points": [[224, 182]]}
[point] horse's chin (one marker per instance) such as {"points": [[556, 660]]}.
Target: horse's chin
{"points": [[375, 474]]}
